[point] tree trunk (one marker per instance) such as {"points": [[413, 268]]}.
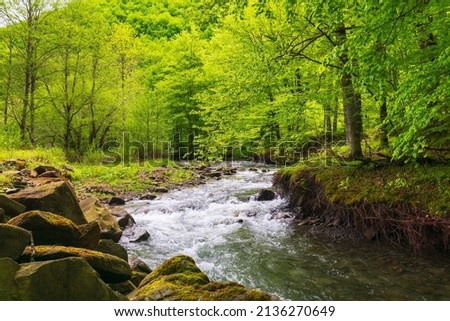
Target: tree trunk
{"points": [[352, 104], [384, 141], [8, 82]]}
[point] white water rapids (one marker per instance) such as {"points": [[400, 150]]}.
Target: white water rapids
{"points": [[233, 237]]}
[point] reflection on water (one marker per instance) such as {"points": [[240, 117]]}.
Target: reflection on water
{"points": [[232, 237]]}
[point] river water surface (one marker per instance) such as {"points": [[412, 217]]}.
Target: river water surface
{"points": [[233, 237]]}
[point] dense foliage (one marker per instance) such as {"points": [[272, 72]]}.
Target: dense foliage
{"points": [[214, 78]]}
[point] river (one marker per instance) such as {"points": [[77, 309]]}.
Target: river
{"points": [[231, 236]]}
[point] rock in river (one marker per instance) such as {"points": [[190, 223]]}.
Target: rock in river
{"points": [[95, 211], [266, 195], [179, 279]]}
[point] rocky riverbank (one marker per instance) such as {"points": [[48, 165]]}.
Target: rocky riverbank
{"points": [[54, 246], [397, 206]]}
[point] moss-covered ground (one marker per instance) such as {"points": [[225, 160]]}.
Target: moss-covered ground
{"points": [[425, 187]]}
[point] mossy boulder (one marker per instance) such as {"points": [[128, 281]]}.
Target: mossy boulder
{"points": [[48, 228], [94, 211], [69, 279], [111, 247], [57, 197], [179, 279], [124, 288], [13, 241], [110, 268]]}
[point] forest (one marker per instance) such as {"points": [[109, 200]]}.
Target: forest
{"points": [[214, 79], [225, 150]]}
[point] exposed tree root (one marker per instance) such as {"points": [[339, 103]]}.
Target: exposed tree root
{"points": [[399, 225]]}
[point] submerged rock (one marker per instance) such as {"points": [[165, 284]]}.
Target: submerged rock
{"points": [[48, 228], [69, 279], [111, 268], [13, 241], [57, 197], [179, 279]]}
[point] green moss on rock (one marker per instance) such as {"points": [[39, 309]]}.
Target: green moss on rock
{"points": [[48, 228], [179, 279], [111, 268]]}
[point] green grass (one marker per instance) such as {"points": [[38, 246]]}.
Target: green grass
{"points": [[135, 177], [35, 157]]}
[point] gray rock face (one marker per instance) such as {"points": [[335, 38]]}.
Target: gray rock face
{"points": [[69, 279], [13, 241], [57, 197]]}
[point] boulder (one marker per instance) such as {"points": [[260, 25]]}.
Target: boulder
{"points": [[161, 190], [10, 206], [95, 211], [148, 197], [13, 241], [178, 265], [69, 279], [57, 197], [90, 235], [135, 234], [2, 215], [115, 200], [123, 288], [48, 228], [51, 174], [137, 277], [41, 169], [138, 265], [110, 247], [179, 279], [111, 268], [266, 195], [123, 218]]}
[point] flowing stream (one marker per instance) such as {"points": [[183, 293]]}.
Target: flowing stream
{"points": [[233, 237]]}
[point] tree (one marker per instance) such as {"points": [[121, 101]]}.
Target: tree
{"points": [[26, 17]]}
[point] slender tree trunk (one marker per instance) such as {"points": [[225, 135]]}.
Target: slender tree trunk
{"points": [[93, 130], [31, 130], [384, 141], [8, 82], [352, 104], [335, 113], [122, 103]]}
